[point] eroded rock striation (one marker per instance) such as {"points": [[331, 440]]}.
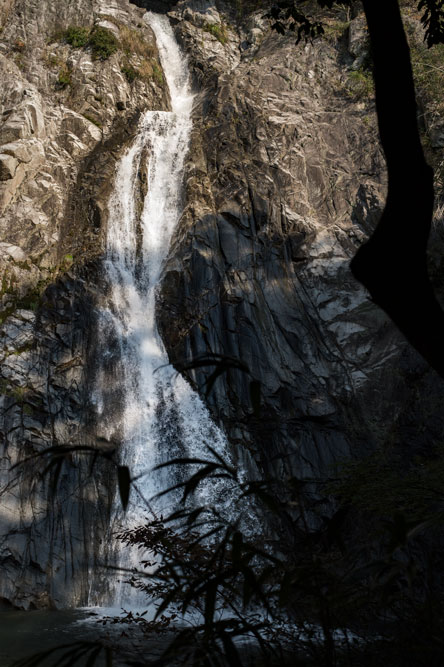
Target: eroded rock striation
{"points": [[285, 180]]}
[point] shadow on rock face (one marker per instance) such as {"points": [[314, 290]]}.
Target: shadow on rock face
{"points": [[51, 538], [332, 368]]}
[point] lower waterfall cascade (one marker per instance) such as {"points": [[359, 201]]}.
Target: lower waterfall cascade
{"points": [[161, 416]]}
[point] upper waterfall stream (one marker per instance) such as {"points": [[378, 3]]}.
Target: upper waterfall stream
{"points": [[158, 415]]}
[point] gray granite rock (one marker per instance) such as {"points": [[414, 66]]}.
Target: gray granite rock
{"points": [[285, 179], [58, 151]]}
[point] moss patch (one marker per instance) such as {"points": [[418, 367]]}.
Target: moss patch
{"points": [[360, 84], [131, 74], [218, 30], [157, 74], [144, 70], [64, 78], [76, 36], [138, 54], [103, 43]]}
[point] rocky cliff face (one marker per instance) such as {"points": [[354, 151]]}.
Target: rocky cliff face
{"points": [[285, 180], [67, 113]]}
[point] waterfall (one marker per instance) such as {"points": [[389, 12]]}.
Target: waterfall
{"points": [[160, 416]]}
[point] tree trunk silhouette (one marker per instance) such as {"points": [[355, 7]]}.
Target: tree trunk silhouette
{"points": [[392, 264]]}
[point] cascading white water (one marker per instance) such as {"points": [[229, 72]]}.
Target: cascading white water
{"points": [[161, 416]]}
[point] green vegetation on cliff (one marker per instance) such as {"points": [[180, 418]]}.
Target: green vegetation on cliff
{"points": [[360, 84], [138, 55], [219, 31], [76, 36], [102, 42]]}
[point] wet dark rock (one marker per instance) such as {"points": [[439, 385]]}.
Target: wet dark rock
{"points": [[285, 180]]}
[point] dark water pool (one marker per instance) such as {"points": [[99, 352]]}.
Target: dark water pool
{"points": [[25, 633]]}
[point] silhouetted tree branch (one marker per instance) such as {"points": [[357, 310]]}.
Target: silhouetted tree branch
{"points": [[392, 265]]}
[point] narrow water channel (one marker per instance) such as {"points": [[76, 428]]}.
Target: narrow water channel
{"points": [[28, 633]]}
